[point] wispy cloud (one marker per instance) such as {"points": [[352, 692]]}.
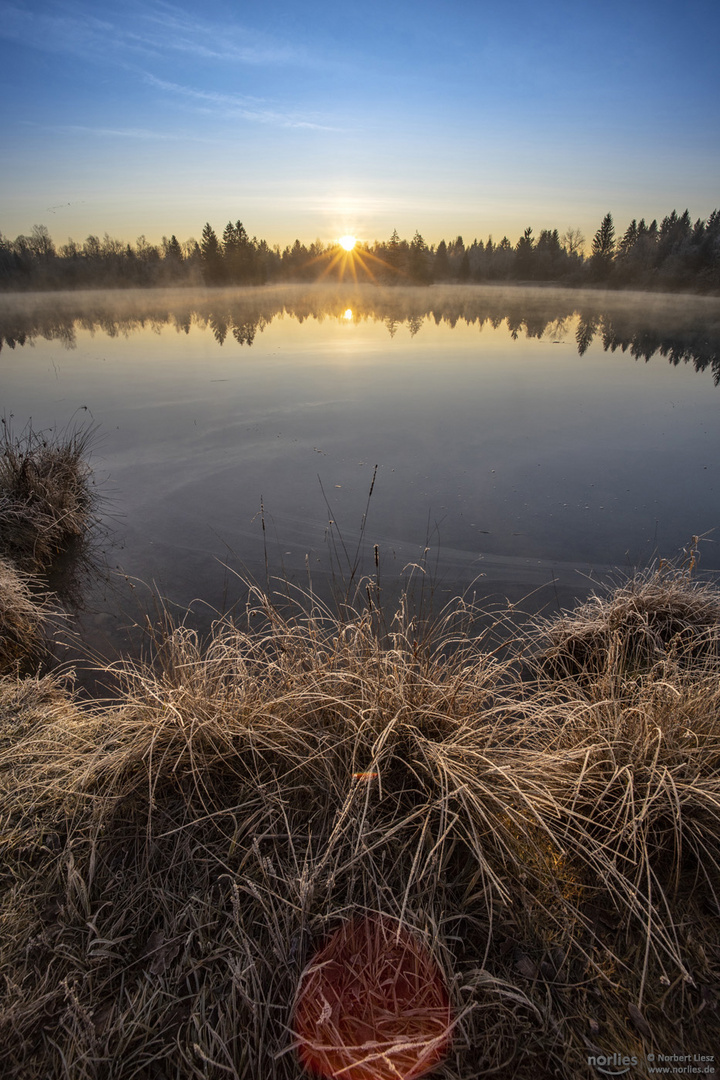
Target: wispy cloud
{"points": [[248, 108], [182, 32], [159, 30], [153, 37], [141, 134], [66, 31]]}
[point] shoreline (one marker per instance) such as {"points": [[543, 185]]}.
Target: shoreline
{"points": [[546, 837]]}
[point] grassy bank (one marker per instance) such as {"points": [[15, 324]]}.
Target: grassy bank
{"points": [[47, 503], [546, 825]]}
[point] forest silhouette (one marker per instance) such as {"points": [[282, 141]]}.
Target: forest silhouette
{"points": [[677, 254]]}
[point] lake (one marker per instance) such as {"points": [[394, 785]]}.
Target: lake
{"points": [[533, 440]]}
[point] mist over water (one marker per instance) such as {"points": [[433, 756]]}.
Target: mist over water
{"points": [[683, 328], [531, 438]]}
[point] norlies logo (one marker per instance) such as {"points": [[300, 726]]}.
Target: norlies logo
{"points": [[614, 1065]]}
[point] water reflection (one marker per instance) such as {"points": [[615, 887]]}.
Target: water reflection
{"points": [[527, 469], [683, 329]]}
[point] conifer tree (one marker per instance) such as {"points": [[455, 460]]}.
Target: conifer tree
{"points": [[394, 253], [441, 265], [418, 261], [524, 260], [172, 250], [212, 258], [603, 247]]}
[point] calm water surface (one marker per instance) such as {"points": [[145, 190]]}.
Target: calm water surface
{"points": [[531, 439]]}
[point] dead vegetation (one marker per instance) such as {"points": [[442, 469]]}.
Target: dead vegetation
{"points": [[22, 619], [660, 616], [175, 860], [46, 494]]}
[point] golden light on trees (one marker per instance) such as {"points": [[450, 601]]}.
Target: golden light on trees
{"points": [[348, 242]]}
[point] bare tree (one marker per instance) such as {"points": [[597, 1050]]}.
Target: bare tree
{"points": [[41, 242], [573, 241]]}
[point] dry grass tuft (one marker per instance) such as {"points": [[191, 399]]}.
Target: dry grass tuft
{"points": [[46, 496], [173, 861], [658, 616], [372, 1005], [22, 619]]}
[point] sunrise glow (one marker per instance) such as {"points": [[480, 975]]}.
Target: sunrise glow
{"points": [[348, 242]]}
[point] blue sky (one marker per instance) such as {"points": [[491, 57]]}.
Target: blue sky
{"points": [[317, 119]]}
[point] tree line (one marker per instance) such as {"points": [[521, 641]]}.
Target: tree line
{"points": [[675, 254]]}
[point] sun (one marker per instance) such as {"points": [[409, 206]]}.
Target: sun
{"points": [[348, 242]]}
